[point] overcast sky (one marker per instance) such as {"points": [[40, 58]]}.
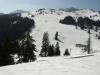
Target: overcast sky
{"points": [[11, 5]]}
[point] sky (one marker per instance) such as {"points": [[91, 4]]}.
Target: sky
{"points": [[11, 5]]}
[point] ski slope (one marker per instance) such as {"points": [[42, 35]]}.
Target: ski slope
{"points": [[68, 34], [77, 64]]}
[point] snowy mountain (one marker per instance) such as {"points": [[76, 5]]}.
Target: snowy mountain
{"points": [[68, 35], [78, 63], [71, 9], [88, 12], [19, 11], [47, 20]]}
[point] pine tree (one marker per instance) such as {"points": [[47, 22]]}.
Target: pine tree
{"points": [[15, 47], [45, 45], [96, 29], [21, 51], [57, 48], [68, 20], [66, 52], [28, 48], [51, 50], [5, 54], [56, 36]]}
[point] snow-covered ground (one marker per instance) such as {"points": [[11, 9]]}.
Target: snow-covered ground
{"points": [[56, 66], [68, 34], [76, 64]]}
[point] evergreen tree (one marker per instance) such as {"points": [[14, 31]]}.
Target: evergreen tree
{"points": [[14, 26], [15, 47], [28, 48], [57, 48], [68, 20], [56, 36], [80, 23], [5, 54], [45, 45], [66, 52], [51, 50], [96, 29], [21, 50]]}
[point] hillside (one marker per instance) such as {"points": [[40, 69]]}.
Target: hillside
{"points": [[68, 35], [78, 63]]}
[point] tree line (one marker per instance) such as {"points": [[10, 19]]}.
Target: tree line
{"points": [[83, 23], [14, 26], [15, 39], [25, 49]]}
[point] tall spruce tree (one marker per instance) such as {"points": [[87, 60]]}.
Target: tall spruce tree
{"points": [[28, 48], [56, 36], [57, 48], [45, 45]]}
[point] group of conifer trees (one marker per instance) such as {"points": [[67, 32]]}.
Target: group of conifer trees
{"points": [[25, 49], [51, 50], [83, 23], [47, 48]]}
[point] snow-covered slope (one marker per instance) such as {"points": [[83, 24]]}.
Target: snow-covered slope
{"points": [[69, 36], [56, 66], [19, 11], [87, 13]]}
